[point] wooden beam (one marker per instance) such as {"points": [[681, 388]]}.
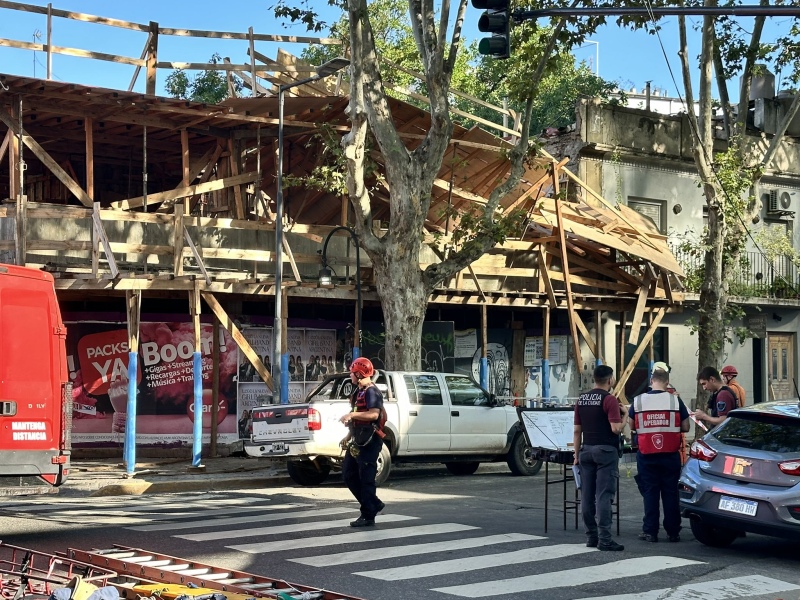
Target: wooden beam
{"points": [[233, 158], [197, 256], [152, 60], [70, 52], [100, 234], [192, 190], [259, 37], [133, 304], [47, 160], [4, 145], [544, 277], [240, 340], [599, 333], [565, 271], [88, 126], [177, 241], [641, 302], [585, 333], [292, 262], [477, 283], [56, 12], [623, 378]]}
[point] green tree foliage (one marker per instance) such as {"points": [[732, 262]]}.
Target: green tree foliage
{"points": [[209, 86]]}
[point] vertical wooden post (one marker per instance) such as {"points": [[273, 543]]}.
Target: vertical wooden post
{"points": [[546, 353], [598, 333], [518, 378], [152, 59], [88, 126], [215, 348], [251, 40], [177, 240], [651, 345], [49, 41], [621, 343], [185, 163], [17, 167]]}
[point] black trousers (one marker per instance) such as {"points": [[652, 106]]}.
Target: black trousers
{"points": [[359, 476], [658, 477]]}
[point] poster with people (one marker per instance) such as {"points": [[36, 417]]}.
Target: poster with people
{"points": [[97, 356], [311, 355]]}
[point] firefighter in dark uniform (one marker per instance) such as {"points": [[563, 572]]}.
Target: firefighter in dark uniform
{"points": [[723, 399], [659, 418], [363, 442]]}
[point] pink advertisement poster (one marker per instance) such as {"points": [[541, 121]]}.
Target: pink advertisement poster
{"points": [[97, 355]]}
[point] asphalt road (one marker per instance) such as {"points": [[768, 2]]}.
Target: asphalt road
{"points": [[443, 536]]}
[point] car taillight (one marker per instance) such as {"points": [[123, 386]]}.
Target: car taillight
{"points": [[701, 451], [795, 512], [314, 420], [790, 467]]}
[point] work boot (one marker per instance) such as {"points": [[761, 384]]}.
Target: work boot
{"points": [[646, 537], [675, 538], [362, 522], [381, 506], [591, 542], [610, 546]]}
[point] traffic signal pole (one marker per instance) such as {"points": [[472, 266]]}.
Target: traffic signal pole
{"points": [[658, 11]]}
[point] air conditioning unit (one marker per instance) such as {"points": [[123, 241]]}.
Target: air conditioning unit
{"points": [[778, 202]]}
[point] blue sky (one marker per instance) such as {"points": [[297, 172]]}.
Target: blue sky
{"points": [[627, 57]]}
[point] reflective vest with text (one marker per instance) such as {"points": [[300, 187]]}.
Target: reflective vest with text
{"points": [[658, 422]]}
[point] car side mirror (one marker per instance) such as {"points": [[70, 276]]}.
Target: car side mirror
{"points": [[493, 400]]}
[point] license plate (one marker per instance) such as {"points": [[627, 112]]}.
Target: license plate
{"points": [[278, 447], [738, 505]]}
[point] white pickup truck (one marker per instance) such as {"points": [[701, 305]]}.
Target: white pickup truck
{"points": [[432, 417]]}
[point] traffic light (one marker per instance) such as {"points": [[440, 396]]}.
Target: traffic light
{"points": [[497, 21]]}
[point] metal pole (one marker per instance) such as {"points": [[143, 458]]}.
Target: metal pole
{"points": [[277, 327], [359, 305]]}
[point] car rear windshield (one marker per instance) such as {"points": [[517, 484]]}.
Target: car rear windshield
{"points": [[761, 432]]}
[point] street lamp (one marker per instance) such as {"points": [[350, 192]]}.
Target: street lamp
{"points": [[325, 279], [280, 360]]}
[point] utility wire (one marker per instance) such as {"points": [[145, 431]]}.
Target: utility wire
{"points": [[709, 159]]}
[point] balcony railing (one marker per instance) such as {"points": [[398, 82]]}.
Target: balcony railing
{"points": [[756, 276]]}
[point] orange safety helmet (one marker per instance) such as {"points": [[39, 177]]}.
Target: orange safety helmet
{"points": [[729, 370], [362, 367]]}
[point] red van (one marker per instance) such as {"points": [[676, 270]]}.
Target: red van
{"points": [[35, 394]]}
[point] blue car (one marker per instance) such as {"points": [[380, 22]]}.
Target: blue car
{"points": [[744, 476]]}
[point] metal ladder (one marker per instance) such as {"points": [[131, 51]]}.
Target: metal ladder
{"points": [[143, 565]]}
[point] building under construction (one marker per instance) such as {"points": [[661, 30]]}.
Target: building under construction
{"points": [[152, 211]]}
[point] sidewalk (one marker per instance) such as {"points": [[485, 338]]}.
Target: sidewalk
{"points": [[107, 477]]}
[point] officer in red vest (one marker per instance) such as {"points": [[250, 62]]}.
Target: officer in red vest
{"points": [[364, 441], [659, 418]]}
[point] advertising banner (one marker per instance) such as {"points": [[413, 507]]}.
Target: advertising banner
{"points": [[97, 355], [311, 357]]}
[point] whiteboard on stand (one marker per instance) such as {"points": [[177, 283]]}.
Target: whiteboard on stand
{"points": [[550, 429]]}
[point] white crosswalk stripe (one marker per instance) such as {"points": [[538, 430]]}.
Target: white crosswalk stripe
{"points": [[474, 563], [718, 589], [260, 518], [281, 529], [580, 576], [376, 554], [373, 535]]}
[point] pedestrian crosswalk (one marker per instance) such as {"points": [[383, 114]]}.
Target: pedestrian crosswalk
{"points": [[448, 557]]}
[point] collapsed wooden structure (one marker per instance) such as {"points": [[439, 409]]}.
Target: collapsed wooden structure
{"points": [[122, 193]]}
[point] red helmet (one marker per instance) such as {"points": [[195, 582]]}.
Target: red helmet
{"points": [[362, 367], [729, 370]]}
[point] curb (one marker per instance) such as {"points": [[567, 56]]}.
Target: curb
{"points": [[141, 487]]}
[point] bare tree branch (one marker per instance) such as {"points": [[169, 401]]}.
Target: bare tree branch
{"points": [[750, 60], [455, 41]]}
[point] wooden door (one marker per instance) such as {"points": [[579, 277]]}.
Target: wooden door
{"points": [[780, 366]]}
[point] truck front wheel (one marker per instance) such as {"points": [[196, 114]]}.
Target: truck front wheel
{"points": [[520, 459], [308, 473]]}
